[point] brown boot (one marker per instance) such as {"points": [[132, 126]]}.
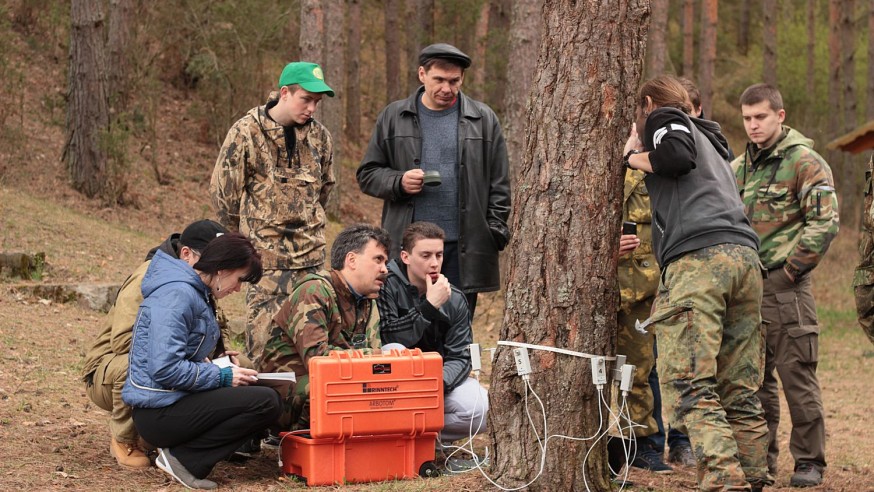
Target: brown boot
{"points": [[128, 455]]}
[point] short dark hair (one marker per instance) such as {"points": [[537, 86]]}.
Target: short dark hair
{"points": [[420, 230], [692, 90], [354, 239], [229, 252], [757, 93]]}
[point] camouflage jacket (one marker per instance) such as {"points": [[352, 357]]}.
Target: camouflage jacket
{"points": [[790, 199], [321, 315], [276, 199], [863, 279], [638, 270]]}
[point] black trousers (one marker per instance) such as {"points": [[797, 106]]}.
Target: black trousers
{"points": [[452, 271], [204, 428]]}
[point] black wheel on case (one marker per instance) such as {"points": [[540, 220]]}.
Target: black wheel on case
{"points": [[429, 470]]}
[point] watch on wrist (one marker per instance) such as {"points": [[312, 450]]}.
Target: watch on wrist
{"points": [[627, 156]]}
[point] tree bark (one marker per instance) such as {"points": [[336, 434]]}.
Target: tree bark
{"points": [[709, 17], [87, 108], [566, 214], [811, 46], [392, 51], [422, 35], [848, 63], [743, 28], [475, 77], [769, 42], [656, 47], [323, 42], [524, 42], [353, 63], [121, 34], [688, 38], [834, 65]]}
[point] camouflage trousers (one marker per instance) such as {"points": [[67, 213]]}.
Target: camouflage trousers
{"points": [[105, 391], [711, 359], [295, 405], [863, 283], [638, 349], [263, 301]]}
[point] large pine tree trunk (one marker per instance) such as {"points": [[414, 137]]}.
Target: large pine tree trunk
{"points": [[709, 16], [834, 65], [656, 47], [566, 212], [743, 28], [88, 109], [322, 41], [688, 38], [848, 63], [121, 34]]}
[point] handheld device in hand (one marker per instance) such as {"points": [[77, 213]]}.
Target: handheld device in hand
{"points": [[629, 228]]}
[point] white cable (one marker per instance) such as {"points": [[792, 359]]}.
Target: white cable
{"points": [[553, 349]]}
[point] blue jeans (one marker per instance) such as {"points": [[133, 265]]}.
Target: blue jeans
{"points": [[657, 440]]}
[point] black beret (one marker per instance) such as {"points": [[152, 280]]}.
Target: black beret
{"points": [[445, 52]]}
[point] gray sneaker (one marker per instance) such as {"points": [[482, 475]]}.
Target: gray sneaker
{"points": [[806, 475], [682, 455], [175, 469]]}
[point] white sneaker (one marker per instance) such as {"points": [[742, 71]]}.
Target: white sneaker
{"points": [[175, 469]]}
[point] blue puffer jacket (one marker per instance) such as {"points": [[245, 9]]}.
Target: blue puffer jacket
{"points": [[175, 331]]}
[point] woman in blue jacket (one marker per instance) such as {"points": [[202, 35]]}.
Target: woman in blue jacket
{"points": [[196, 413]]}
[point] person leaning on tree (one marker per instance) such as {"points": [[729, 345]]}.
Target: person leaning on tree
{"points": [[106, 363], [271, 182], [438, 128], [706, 314], [327, 311], [789, 196]]}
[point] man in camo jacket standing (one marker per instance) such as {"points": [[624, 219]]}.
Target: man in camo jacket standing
{"points": [[271, 182], [863, 280], [789, 196]]}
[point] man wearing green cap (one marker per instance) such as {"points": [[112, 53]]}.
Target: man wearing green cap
{"points": [[271, 182]]}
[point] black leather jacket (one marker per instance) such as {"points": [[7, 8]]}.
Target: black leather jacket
{"points": [[406, 317], [483, 187]]}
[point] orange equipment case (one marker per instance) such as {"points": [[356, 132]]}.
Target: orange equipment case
{"points": [[372, 418]]}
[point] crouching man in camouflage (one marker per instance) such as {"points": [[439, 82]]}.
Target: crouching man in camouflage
{"points": [[327, 311], [863, 281], [271, 182], [789, 196]]}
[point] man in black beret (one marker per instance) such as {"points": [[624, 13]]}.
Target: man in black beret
{"points": [[439, 156]]}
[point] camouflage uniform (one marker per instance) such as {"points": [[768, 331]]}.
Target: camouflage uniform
{"points": [[789, 197], [321, 315], [638, 281], [706, 317], [863, 280], [277, 199]]}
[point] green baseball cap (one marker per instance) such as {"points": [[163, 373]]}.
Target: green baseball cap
{"points": [[307, 75]]}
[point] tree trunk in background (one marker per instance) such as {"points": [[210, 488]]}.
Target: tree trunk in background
{"points": [[322, 42], [834, 65], [743, 28], [847, 172], [88, 107], [422, 26], [769, 42], [497, 55], [353, 62], [524, 45], [292, 31], [656, 46], [707, 53], [811, 46], [474, 78], [566, 215], [870, 105], [121, 32], [688, 38], [392, 51]]}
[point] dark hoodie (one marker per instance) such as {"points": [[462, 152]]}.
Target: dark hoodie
{"points": [[170, 246], [692, 188]]}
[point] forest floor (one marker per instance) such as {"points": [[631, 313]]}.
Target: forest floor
{"points": [[53, 438]]}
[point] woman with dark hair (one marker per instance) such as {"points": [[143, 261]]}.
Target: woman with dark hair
{"points": [[195, 412], [706, 315]]}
